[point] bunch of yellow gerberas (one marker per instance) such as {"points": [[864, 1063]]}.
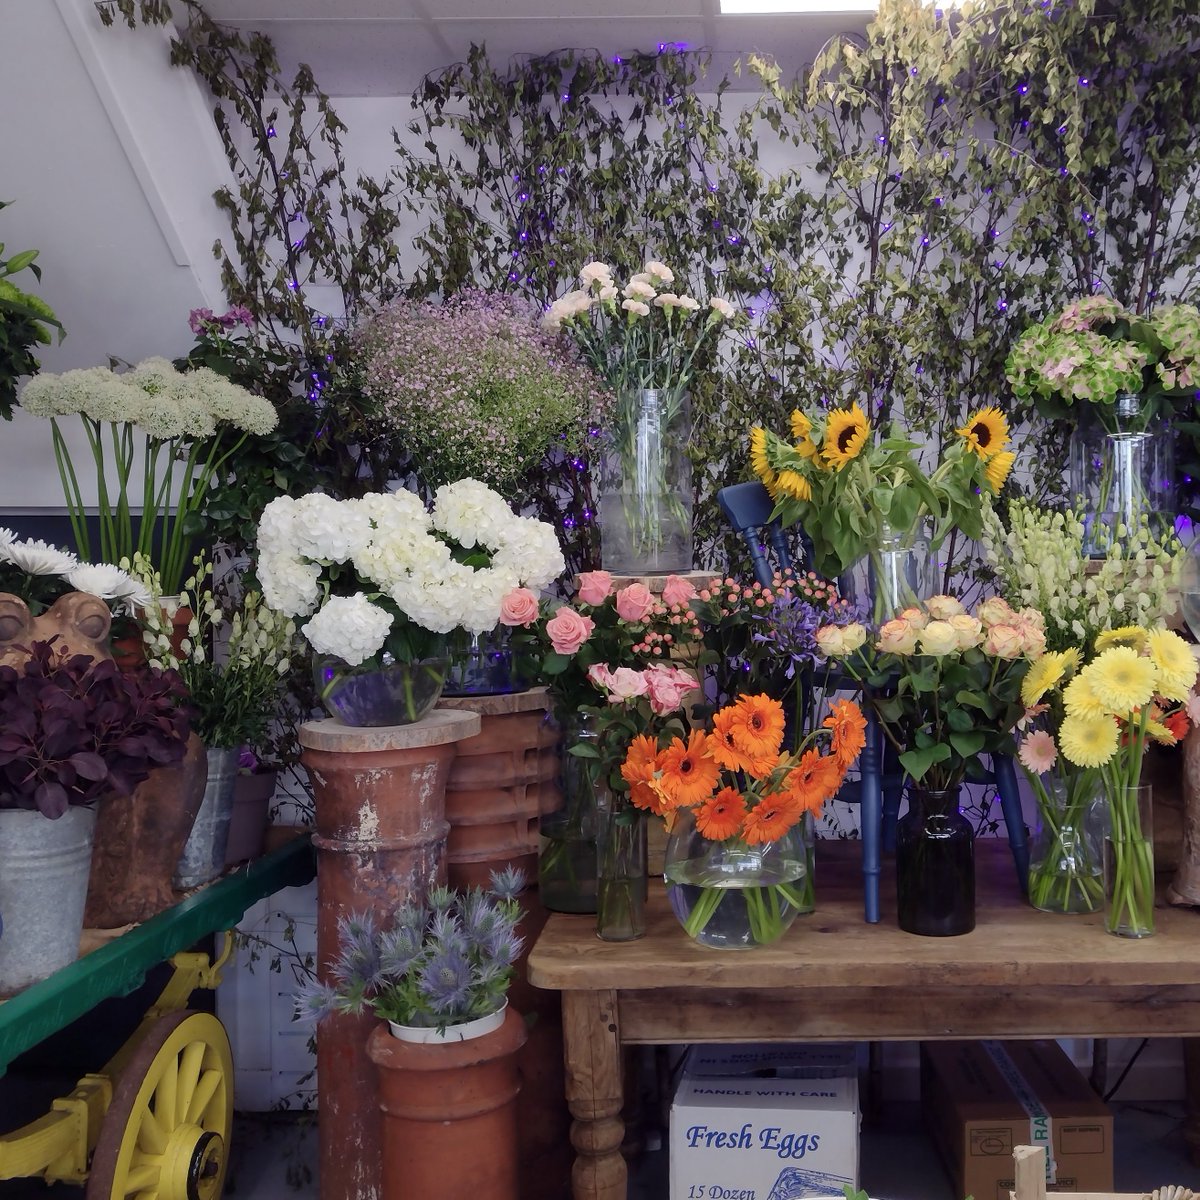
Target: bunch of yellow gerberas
{"points": [[737, 778], [849, 489]]}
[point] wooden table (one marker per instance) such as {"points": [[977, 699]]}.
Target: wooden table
{"points": [[1020, 974]]}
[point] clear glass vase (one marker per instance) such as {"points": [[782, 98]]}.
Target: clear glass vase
{"points": [[935, 865], [396, 693], [1122, 468], [621, 869], [646, 484], [733, 896], [1066, 857], [567, 861], [483, 664], [1129, 863], [894, 575]]}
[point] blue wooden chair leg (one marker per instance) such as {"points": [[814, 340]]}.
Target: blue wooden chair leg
{"points": [[1010, 803], [870, 768]]}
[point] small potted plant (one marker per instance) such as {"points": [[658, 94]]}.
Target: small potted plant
{"points": [[439, 976], [72, 730]]}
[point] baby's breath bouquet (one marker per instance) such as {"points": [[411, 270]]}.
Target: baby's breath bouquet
{"points": [[176, 429]]}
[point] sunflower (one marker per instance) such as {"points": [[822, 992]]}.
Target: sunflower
{"points": [[770, 819], [727, 749], [688, 773], [849, 731], [720, 816], [814, 779], [986, 433], [758, 456], [1126, 635], [802, 432], [641, 762], [1080, 701], [1047, 673], [1121, 679], [793, 484], [1176, 663], [846, 434], [757, 727], [997, 469], [1088, 741]]}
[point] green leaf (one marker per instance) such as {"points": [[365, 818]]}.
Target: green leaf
{"points": [[917, 762], [967, 744]]}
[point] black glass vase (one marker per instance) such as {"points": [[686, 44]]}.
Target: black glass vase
{"points": [[935, 865]]}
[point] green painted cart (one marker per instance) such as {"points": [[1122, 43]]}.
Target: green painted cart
{"points": [[154, 1123]]}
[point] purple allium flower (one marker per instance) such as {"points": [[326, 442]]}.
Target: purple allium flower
{"points": [[445, 981]]}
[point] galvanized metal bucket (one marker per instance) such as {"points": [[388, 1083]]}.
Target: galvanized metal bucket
{"points": [[44, 868], [203, 857]]}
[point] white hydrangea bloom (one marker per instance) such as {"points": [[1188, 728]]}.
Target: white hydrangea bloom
{"points": [[471, 513], [327, 529], [350, 627], [532, 552]]}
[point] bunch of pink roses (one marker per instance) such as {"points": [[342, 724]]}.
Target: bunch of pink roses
{"points": [[664, 687]]}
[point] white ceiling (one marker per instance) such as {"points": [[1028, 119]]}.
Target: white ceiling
{"points": [[385, 47]]}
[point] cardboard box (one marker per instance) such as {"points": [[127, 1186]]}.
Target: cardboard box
{"points": [[981, 1099], [754, 1122]]}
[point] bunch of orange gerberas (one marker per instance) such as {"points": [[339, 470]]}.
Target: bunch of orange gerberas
{"points": [[737, 778]]}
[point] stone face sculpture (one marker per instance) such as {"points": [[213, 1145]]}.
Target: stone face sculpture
{"points": [[81, 622]]}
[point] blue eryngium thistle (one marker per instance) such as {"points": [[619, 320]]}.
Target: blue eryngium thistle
{"points": [[445, 981], [314, 1001], [509, 883]]}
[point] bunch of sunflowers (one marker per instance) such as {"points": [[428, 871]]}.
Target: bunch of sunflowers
{"points": [[849, 490]]}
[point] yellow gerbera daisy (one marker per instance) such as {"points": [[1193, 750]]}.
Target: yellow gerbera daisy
{"points": [[1088, 741], [1121, 679], [1047, 673], [1080, 701], [758, 456], [1176, 663], [997, 469], [1126, 635], [792, 483], [986, 433], [1160, 733], [846, 433]]}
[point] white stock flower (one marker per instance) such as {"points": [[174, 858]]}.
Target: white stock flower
{"points": [[36, 557], [350, 627], [722, 307], [636, 307]]}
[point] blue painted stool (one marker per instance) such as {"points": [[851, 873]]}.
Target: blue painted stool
{"points": [[748, 507]]}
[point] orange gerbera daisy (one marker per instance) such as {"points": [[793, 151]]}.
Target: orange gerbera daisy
{"points": [[757, 727], [726, 747], [688, 773], [641, 761], [770, 818], [813, 780], [720, 816], [849, 731]]}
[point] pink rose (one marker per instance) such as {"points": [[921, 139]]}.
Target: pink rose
{"points": [[600, 675], [897, 637], [667, 688], [519, 607], [677, 591], [568, 630], [1003, 641], [594, 587], [626, 684], [918, 618], [634, 602]]}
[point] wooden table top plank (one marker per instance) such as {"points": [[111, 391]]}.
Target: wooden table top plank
{"points": [[1012, 945]]}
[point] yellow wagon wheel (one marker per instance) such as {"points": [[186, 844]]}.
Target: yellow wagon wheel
{"points": [[166, 1134]]}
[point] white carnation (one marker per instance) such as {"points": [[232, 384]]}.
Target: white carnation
{"points": [[350, 627]]}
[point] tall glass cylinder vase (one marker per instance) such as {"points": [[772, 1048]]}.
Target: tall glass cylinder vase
{"points": [[646, 484], [621, 869], [1129, 863], [1066, 858], [893, 575], [567, 860], [1122, 468], [935, 865], [483, 664]]}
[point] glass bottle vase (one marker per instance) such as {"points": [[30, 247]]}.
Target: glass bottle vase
{"points": [[892, 576], [646, 484], [935, 865], [1129, 863], [621, 869], [1066, 857], [730, 895], [567, 860], [483, 664]]}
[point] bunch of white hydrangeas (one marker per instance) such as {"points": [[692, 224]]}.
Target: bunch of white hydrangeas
{"points": [[407, 563], [1040, 563]]}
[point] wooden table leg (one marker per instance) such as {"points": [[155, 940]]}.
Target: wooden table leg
{"points": [[595, 1094], [1191, 1074]]}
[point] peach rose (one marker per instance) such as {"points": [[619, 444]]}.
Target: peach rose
{"points": [[994, 611], [634, 602], [838, 641], [1003, 641], [939, 638], [568, 630], [594, 587], [968, 628], [519, 607], [897, 637], [677, 591], [918, 618], [942, 608]]}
